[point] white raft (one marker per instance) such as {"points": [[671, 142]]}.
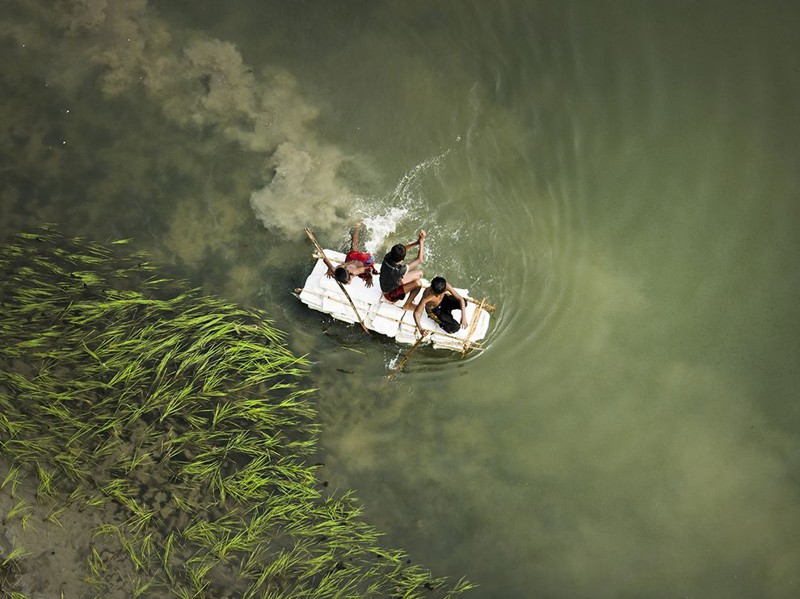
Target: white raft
{"points": [[382, 316]]}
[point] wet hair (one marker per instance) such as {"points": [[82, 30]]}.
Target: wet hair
{"points": [[341, 275], [397, 253], [438, 285]]}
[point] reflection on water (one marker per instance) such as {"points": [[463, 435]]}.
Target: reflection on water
{"points": [[619, 181]]}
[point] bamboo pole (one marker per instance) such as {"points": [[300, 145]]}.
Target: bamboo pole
{"points": [[400, 365], [349, 299], [482, 304], [472, 325]]}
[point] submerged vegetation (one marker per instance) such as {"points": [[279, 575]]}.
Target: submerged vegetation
{"points": [[177, 427]]}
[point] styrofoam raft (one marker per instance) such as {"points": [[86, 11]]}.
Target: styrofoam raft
{"points": [[380, 315]]}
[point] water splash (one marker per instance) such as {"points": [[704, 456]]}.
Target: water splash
{"points": [[403, 211], [381, 225], [407, 188]]}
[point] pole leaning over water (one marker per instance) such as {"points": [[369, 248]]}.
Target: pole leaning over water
{"points": [[347, 295], [405, 359], [475, 316]]}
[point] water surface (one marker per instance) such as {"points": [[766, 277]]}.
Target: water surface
{"points": [[618, 178]]}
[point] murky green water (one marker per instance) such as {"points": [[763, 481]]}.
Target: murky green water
{"points": [[619, 179]]}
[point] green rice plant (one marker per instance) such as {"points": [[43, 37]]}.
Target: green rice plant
{"points": [[139, 587], [138, 561], [120, 490], [96, 564], [167, 553], [107, 530], [182, 592], [197, 569], [140, 519], [14, 557], [133, 382], [75, 469], [24, 518], [19, 510], [97, 583], [202, 532], [29, 450], [176, 403], [53, 514], [12, 478], [223, 411], [185, 505], [195, 421], [45, 488], [138, 458], [13, 429], [236, 542], [147, 546]]}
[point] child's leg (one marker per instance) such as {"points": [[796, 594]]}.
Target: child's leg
{"points": [[412, 276], [411, 289]]}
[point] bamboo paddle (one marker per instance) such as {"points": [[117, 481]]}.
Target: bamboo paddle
{"points": [[349, 299], [405, 359]]}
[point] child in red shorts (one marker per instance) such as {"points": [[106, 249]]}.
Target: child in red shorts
{"points": [[398, 279], [358, 264]]}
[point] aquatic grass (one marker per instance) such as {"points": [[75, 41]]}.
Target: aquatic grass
{"points": [[139, 587], [183, 421], [21, 509], [14, 557], [53, 513], [96, 564], [11, 478], [45, 487]]}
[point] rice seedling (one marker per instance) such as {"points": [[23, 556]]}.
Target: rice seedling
{"points": [[140, 519], [128, 544], [133, 384], [196, 571], [201, 532], [139, 587], [14, 557], [52, 515], [19, 510], [176, 402], [96, 564], [98, 584], [45, 487], [12, 478]]}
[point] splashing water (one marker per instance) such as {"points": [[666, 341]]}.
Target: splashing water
{"points": [[407, 189], [381, 225], [403, 211]]}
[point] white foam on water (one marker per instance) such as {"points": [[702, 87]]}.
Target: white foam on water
{"points": [[399, 209], [380, 226]]}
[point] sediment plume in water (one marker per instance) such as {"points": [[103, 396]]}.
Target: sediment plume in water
{"points": [[156, 442], [201, 85]]}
